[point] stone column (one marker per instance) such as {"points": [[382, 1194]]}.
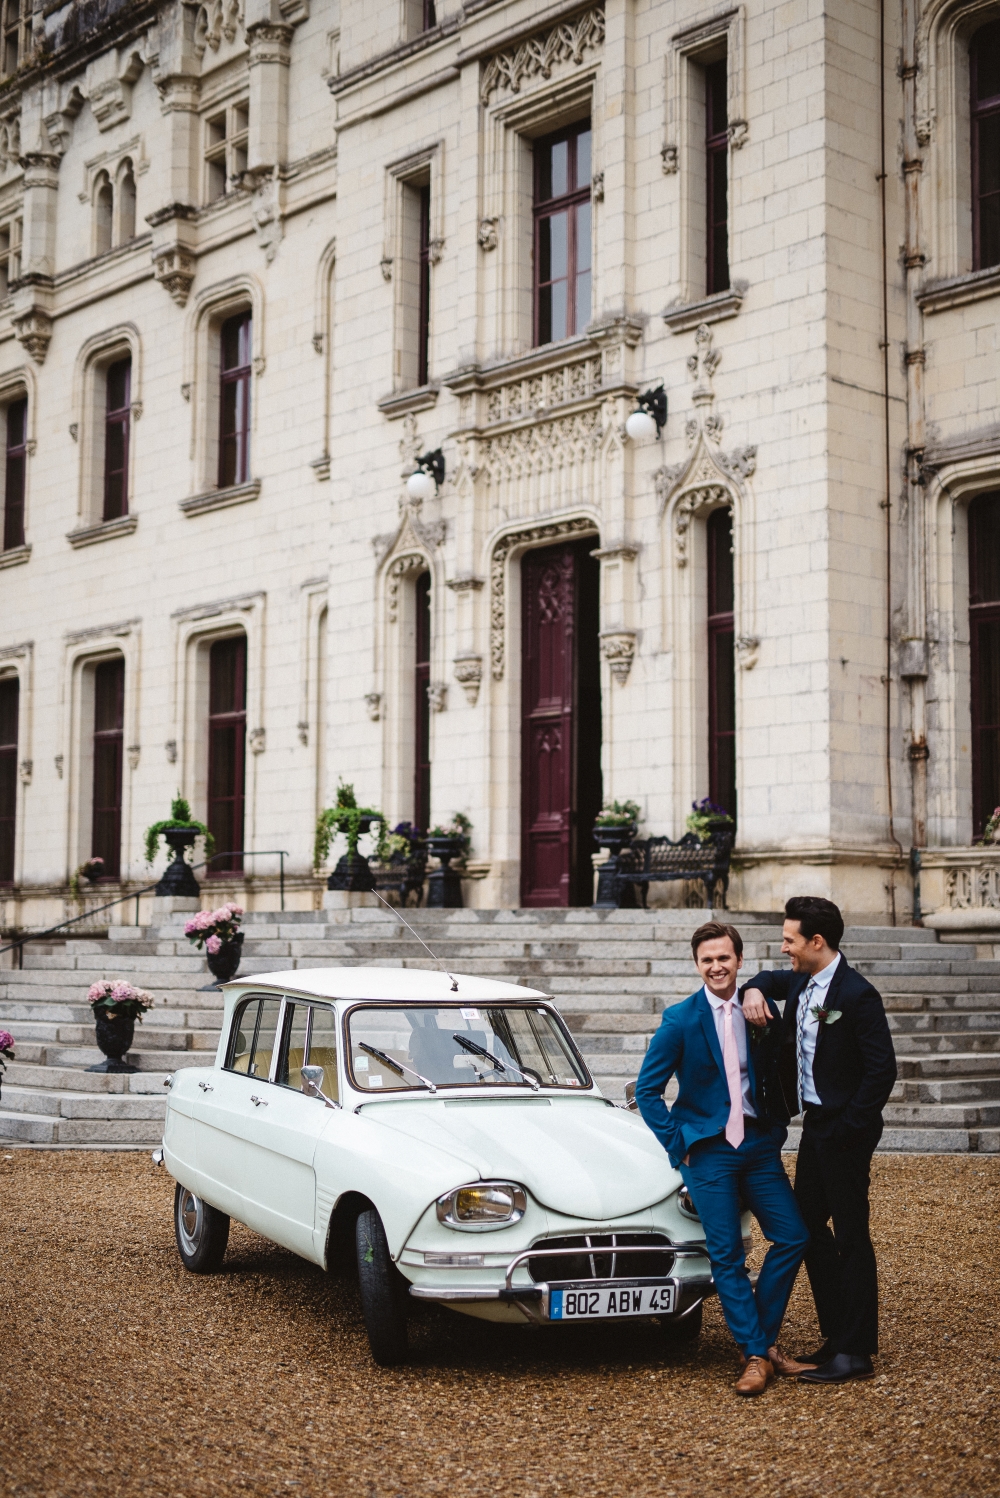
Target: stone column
{"points": [[269, 58], [32, 316]]}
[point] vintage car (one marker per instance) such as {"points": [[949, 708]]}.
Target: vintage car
{"points": [[444, 1131]]}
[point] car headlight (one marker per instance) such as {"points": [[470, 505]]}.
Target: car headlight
{"points": [[485, 1205], [685, 1203]]}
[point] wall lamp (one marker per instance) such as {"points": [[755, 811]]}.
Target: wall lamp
{"points": [[650, 416], [428, 475]]}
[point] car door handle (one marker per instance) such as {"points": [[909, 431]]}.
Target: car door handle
{"points": [[206, 1086], [257, 1100]]}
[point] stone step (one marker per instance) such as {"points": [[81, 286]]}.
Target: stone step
{"points": [[942, 1115], [954, 1065], [105, 1105], [89, 1133], [73, 1079], [962, 1090], [964, 1042]]}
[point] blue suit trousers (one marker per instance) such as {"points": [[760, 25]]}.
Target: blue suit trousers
{"points": [[716, 1177]]}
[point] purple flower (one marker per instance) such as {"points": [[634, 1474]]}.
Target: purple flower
{"points": [[214, 944], [6, 1042]]}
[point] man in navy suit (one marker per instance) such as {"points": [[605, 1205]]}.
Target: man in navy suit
{"points": [[724, 1133], [839, 1067]]}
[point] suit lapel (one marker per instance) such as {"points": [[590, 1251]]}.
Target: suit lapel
{"points": [[711, 1035], [830, 1002]]}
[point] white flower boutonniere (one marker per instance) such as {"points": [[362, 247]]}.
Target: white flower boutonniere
{"points": [[825, 1016]]}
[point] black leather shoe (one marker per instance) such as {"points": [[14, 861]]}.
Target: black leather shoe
{"points": [[838, 1369], [818, 1358]]}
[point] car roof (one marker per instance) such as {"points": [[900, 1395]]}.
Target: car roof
{"points": [[391, 985]]}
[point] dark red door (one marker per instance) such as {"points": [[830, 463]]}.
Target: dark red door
{"points": [[561, 724], [109, 719], [227, 732]]}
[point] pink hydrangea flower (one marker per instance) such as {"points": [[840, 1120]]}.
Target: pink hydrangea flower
{"points": [[214, 944], [6, 1041]]}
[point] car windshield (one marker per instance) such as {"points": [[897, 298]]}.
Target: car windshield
{"points": [[455, 1045]]}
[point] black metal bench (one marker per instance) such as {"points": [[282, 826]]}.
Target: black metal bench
{"points": [[657, 860], [404, 873]]}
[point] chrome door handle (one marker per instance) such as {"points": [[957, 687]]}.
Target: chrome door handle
{"points": [[206, 1086], [257, 1100]]}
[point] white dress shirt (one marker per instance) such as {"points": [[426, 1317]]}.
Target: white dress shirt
{"points": [[818, 989], [740, 1035]]}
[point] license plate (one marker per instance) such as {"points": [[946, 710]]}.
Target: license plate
{"points": [[589, 1303]]}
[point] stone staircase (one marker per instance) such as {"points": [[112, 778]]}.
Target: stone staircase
{"points": [[610, 972]]}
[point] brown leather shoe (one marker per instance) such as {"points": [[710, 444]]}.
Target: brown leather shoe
{"points": [[786, 1367], [755, 1377]]}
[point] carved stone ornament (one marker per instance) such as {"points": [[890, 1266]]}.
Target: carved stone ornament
{"points": [[385, 266], [25, 770], [489, 235], [303, 731], [747, 651], [33, 330], [669, 159], [133, 751], [737, 134], [538, 55], [258, 740], [214, 20], [171, 748], [174, 268], [413, 562], [579, 525], [437, 695], [60, 762], [435, 249], [373, 705], [469, 674], [618, 649], [702, 365], [597, 187], [265, 214]]}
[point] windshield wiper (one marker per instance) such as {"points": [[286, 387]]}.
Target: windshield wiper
{"points": [[399, 1067], [501, 1066]]}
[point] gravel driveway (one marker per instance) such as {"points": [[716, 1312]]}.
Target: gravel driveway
{"points": [[122, 1374]]}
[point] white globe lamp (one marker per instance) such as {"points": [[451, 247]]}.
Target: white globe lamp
{"points": [[421, 485], [641, 427]]}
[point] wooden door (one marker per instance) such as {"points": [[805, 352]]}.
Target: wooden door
{"points": [[561, 724], [109, 721], [227, 731]]}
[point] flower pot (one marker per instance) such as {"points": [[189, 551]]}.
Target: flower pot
{"points": [[351, 874], [224, 963], [115, 1033], [178, 878], [612, 895], [444, 885]]}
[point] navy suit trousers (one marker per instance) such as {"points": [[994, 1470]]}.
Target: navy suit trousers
{"points": [[716, 1177]]}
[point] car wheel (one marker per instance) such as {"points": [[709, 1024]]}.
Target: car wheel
{"points": [[684, 1329], [202, 1232], [383, 1292]]}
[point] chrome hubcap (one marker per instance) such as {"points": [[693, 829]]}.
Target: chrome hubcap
{"points": [[190, 1220]]}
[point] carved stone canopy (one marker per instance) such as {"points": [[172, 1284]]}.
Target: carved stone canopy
{"points": [[553, 530]]}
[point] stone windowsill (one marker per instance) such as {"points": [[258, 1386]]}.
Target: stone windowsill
{"points": [[681, 317], [14, 556], [105, 530], [938, 296], [220, 499], [408, 401]]}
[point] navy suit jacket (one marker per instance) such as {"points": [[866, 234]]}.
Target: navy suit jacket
{"points": [[854, 1068], [687, 1046]]}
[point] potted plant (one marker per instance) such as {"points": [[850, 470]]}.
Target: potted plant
{"points": [[218, 931], [92, 870], [991, 832], [352, 871], [116, 1006], [707, 819], [6, 1051], [615, 826], [444, 886], [179, 832]]}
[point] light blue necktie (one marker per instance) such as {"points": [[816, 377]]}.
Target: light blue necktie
{"points": [[800, 1029]]}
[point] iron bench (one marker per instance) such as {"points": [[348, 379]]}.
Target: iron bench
{"points": [[657, 860]]}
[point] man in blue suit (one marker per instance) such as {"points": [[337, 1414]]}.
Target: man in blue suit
{"points": [[725, 1133]]}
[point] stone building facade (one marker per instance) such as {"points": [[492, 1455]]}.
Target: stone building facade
{"points": [[259, 256]]}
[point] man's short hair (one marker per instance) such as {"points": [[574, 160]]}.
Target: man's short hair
{"points": [[711, 931], [816, 917]]}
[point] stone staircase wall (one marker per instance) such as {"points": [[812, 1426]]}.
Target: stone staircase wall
{"points": [[610, 973]]}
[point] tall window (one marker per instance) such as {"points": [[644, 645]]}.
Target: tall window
{"points": [[429, 14], [721, 663], [562, 234], [9, 691], [227, 732], [104, 213], [226, 136], [422, 707], [13, 492], [116, 435], [424, 305], [984, 71], [234, 401], [126, 202], [109, 721], [984, 634], [16, 27], [10, 254], [716, 179]]}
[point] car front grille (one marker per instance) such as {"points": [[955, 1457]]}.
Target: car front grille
{"points": [[598, 1259]]}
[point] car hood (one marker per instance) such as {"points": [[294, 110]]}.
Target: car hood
{"points": [[573, 1154]]}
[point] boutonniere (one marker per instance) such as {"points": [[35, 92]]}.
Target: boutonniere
{"points": [[825, 1016]]}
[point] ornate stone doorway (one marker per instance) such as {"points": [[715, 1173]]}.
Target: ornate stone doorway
{"points": [[560, 723]]}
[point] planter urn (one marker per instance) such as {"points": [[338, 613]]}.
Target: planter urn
{"points": [[444, 885], [353, 872], [115, 1033], [224, 964], [610, 894], [178, 877]]}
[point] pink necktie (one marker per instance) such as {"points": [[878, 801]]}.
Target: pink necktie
{"points": [[731, 1058]]}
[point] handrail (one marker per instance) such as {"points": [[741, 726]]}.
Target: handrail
{"points": [[87, 915]]}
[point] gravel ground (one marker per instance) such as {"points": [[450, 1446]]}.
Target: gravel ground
{"points": [[122, 1374]]}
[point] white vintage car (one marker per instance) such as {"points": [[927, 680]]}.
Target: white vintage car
{"points": [[445, 1131]]}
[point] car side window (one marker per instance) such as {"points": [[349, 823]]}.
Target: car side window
{"points": [[323, 1048], [293, 1055], [251, 1044]]}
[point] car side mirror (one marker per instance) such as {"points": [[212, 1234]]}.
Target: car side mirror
{"points": [[630, 1102], [312, 1076]]}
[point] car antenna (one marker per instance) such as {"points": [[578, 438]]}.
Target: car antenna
{"points": [[395, 912]]}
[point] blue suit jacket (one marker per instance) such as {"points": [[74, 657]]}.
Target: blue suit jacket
{"points": [[687, 1045]]}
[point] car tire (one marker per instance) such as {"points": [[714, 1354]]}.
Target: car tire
{"points": [[383, 1292], [202, 1232], [686, 1328]]}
